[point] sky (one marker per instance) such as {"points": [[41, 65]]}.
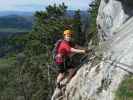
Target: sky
{"points": [[34, 5]]}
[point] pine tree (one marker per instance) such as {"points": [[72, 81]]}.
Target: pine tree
{"points": [[93, 11], [79, 36], [35, 73], [48, 28]]}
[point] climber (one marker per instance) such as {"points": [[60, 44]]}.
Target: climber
{"points": [[63, 61]]}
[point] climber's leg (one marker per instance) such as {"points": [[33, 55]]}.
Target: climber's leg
{"points": [[60, 77], [71, 73], [61, 74]]}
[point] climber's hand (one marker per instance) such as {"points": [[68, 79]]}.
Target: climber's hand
{"points": [[87, 50]]}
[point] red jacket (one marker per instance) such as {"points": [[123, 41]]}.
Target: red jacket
{"points": [[64, 50]]}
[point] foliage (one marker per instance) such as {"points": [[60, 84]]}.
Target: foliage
{"points": [[7, 76], [33, 77], [25, 78], [12, 44], [125, 90], [36, 77], [93, 12], [77, 27], [48, 27]]}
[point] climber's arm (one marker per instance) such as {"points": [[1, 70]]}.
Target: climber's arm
{"points": [[77, 50], [83, 48]]}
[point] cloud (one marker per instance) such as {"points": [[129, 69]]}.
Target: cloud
{"points": [[22, 5], [30, 5]]}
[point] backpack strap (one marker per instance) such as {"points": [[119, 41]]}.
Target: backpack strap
{"points": [[55, 49], [57, 44]]}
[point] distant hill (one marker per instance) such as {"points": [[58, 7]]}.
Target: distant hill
{"points": [[19, 13], [15, 23], [22, 13]]}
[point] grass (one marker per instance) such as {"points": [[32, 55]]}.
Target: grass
{"points": [[125, 90]]}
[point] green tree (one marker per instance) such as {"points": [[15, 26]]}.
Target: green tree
{"points": [[48, 28], [93, 11], [37, 79], [77, 27]]}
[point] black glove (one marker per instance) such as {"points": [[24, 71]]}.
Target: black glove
{"points": [[87, 50]]}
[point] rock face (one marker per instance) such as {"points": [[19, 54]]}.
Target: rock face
{"points": [[113, 14], [100, 81]]}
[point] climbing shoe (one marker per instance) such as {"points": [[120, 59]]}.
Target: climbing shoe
{"points": [[62, 85], [58, 85]]}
